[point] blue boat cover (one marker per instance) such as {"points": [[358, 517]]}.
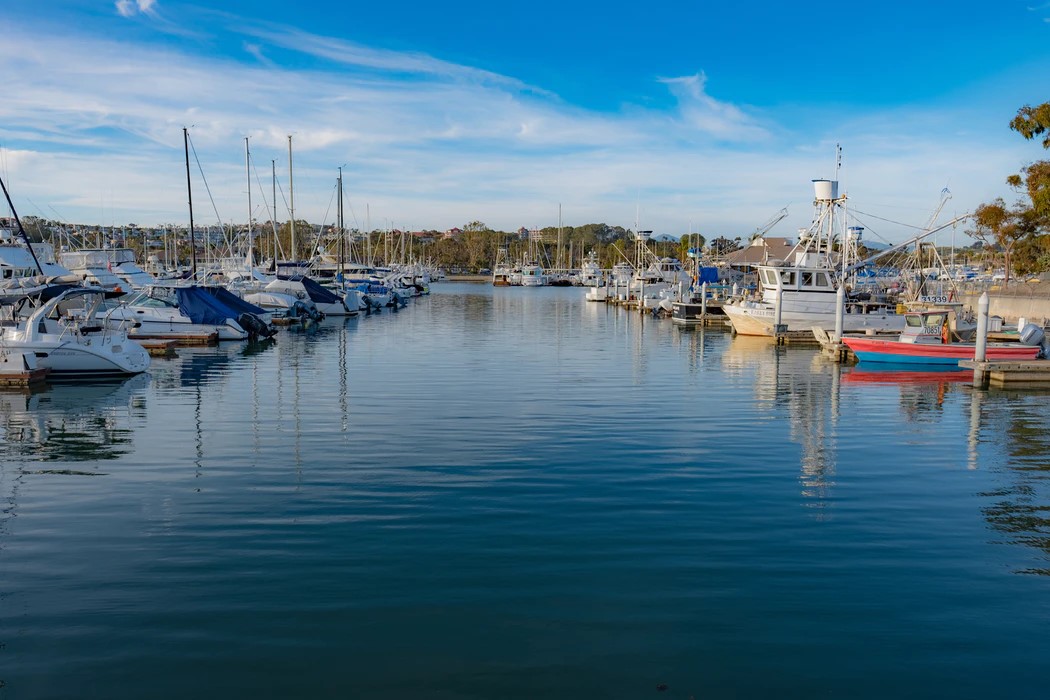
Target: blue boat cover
{"points": [[317, 293], [707, 274], [202, 307], [235, 302]]}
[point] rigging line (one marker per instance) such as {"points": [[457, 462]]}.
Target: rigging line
{"points": [[867, 227], [317, 239], [218, 218], [899, 223], [271, 213]]}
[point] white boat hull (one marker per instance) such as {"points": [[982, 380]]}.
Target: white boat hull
{"points": [[757, 318]]}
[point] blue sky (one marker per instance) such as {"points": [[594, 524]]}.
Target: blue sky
{"points": [[694, 116]]}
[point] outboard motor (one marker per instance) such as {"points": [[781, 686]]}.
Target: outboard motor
{"points": [[1032, 335], [255, 326]]}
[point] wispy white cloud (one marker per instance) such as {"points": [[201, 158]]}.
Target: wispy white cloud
{"points": [[710, 116], [432, 143], [130, 8]]}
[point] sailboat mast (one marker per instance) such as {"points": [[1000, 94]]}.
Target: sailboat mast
{"points": [[291, 195], [248, 177], [558, 256], [273, 180], [189, 196], [342, 230], [21, 230]]}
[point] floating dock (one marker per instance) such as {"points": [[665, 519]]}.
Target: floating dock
{"points": [[1013, 374], [19, 370], [188, 339], [159, 348]]}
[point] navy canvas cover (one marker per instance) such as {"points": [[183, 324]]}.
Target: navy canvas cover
{"points": [[202, 307], [317, 293], [235, 302]]}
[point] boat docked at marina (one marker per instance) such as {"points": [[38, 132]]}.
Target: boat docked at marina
{"points": [[188, 312], [94, 267], [590, 274], [926, 340], [803, 290], [533, 275], [62, 329]]}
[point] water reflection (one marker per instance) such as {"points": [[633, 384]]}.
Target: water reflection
{"points": [[922, 392], [1021, 507], [196, 366], [799, 385], [72, 422]]}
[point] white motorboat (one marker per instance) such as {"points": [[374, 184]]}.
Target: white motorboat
{"points": [[532, 275], [158, 312], [93, 266], [591, 274], [65, 335], [304, 288]]}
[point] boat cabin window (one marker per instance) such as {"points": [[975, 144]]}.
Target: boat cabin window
{"points": [[913, 321], [789, 279], [935, 321]]}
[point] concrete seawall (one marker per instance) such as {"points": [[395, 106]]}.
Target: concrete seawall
{"points": [[1030, 301]]}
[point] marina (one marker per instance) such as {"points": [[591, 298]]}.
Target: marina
{"points": [[639, 504], [382, 351]]}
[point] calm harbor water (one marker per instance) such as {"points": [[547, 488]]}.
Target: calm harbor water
{"points": [[511, 493]]}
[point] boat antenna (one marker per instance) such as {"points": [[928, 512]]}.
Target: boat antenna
{"points": [[21, 229]]}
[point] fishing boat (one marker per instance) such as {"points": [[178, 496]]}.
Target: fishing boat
{"points": [[533, 275], [806, 285], [926, 340], [591, 272]]}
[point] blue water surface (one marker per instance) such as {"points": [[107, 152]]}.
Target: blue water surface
{"points": [[513, 493]]}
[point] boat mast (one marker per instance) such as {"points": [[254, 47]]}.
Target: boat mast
{"points": [[273, 180], [248, 175], [558, 264], [21, 230], [189, 195], [342, 230], [291, 195]]}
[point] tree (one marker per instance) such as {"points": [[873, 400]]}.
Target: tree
{"points": [[722, 245], [1033, 121], [1023, 224], [1002, 225]]}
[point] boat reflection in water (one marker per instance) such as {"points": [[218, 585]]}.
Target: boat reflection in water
{"points": [[921, 391], [72, 422]]}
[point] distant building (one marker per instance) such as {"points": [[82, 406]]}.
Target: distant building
{"points": [[760, 251]]}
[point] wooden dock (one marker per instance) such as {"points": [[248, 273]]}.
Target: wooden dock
{"points": [[189, 339], [19, 370], [1014, 374], [787, 337], [159, 348]]}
